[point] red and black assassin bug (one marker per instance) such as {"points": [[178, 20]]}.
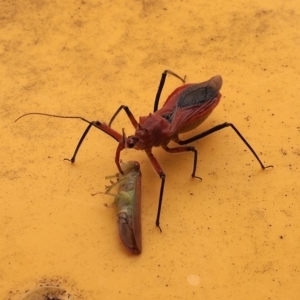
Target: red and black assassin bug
{"points": [[185, 109]]}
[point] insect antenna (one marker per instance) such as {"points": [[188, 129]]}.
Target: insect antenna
{"points": [[54, 116]]}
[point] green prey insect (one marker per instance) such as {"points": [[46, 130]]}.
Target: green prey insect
{"points": [[128, 203]]}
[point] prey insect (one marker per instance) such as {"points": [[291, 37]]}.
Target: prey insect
{"points": [[128, 203], [185, 109]]}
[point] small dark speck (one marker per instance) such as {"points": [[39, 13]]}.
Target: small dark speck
{"points": [[191, 194], [281, 237]]}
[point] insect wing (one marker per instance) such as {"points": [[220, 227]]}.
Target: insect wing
{"points": [[188, 106], [188, 118]]}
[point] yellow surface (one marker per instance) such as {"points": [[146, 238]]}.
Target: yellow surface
{"points": [[235, 235]]}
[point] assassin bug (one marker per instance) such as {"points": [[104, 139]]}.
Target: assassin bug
{"points": [[128, 203], [185, 109]]}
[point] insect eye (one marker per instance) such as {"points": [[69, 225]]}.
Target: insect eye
{"points": [[131, 141], [130, 144]]}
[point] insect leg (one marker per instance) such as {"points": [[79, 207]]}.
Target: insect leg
{"points": [[159, 90], [217, 128], [129, 114], [161, 85], [162, 176], [185, 149], [121, 146], [103, 127]]}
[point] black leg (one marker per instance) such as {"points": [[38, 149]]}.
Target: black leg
{"points": [[72, 160], [217, 128], [186, 149], [161, 85], [128, 113], [161, 194], [162, 176], [103, 127]]}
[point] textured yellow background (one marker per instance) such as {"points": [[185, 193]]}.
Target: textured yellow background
{"points": [[235, 235]]}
